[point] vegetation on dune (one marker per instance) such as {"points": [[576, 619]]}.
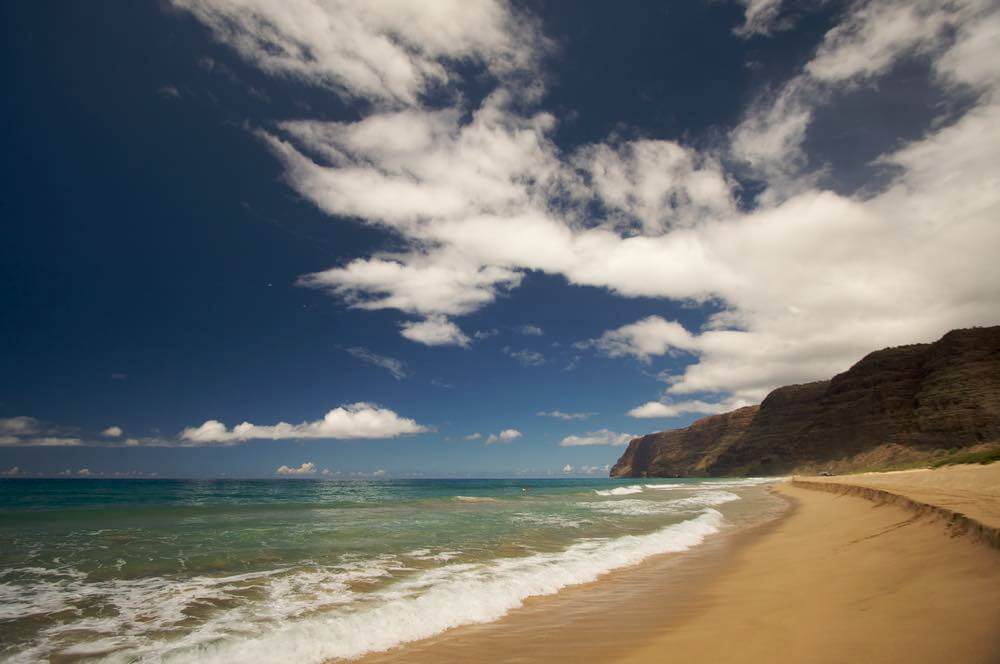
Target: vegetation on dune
{"points": [[982, 457]]}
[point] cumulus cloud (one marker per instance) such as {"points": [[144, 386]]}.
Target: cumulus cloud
{"points": [[112, 432], [599, 437], [307, 468], [504, 436], [352, 421], [379, 473], [83, 472], [473, 436], [567, 468], [393, 366], [560, 415], [477, 194], [435, 331], [644, 338]]}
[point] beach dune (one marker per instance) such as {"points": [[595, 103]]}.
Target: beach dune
{"points": [[844, 579]]}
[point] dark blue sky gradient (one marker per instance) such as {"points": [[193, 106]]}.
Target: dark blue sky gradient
{"points": [[150, 247]]}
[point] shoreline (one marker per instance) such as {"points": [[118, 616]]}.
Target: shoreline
{"points": [[836, 577], [627, 605]]}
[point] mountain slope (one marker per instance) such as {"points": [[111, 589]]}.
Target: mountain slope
{"points": [[899, 403]]}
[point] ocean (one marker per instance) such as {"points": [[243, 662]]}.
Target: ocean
{"points": [[307, 571]]}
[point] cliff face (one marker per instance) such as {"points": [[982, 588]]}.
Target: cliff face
{"points": [[684, 452], [905, 401]]}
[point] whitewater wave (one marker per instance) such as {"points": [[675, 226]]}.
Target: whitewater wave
{"points": [[428, 603], [619, 491], [640, 507], [550, 520], [425, 554]]}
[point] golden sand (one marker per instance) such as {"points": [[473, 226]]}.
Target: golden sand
{"points": [[838, 579]]}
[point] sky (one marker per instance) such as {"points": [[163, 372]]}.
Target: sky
{"points": [[334, 238]]}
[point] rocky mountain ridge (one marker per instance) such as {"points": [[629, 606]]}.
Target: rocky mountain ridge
{"points": [[896, 405]]}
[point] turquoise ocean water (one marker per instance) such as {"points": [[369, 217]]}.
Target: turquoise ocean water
{"points": [[305, 571]]}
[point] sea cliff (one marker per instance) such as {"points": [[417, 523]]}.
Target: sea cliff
{"points": [[895, 406]]}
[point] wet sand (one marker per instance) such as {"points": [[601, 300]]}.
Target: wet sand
{"points": [[837, 579], [843, 579]]}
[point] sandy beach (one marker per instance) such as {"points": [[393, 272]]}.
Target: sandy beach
{"points": [[838, 578], [842, 579]]}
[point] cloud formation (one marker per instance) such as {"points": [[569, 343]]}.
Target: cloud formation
{"points": [[24, 431], [599, 437], [760, 18], [669, 408], [805, 280], [435, 331], [531, 330], [112, 432], [352, 421], [504, 436], [393, 366], [528, 358], [387, 52], [560, 415], [307, 468]]}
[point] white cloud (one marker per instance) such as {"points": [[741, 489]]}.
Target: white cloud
{"points": [[24, 431], [649, 336], [352, 421], [674, 408], [83, 472], [558, 414], [528, 358], [40, 441], [760, 18], [657, 185], [307, 468], [112, 432], [808, 280], [169, 92], [479, 335], [473, 436], [379, 473], [390, 52], [877, 34], [567, 468], [432, 285], [504, 436], [530, 330], [393, 366], [20, 426], [11, 472], [435, 331], [599, 437]]}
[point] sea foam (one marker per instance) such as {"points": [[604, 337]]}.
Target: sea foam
{"points": [[437, 600], [619, 491]]}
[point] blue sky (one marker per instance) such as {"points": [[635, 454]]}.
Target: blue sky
{"points": [[423, 225]]}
